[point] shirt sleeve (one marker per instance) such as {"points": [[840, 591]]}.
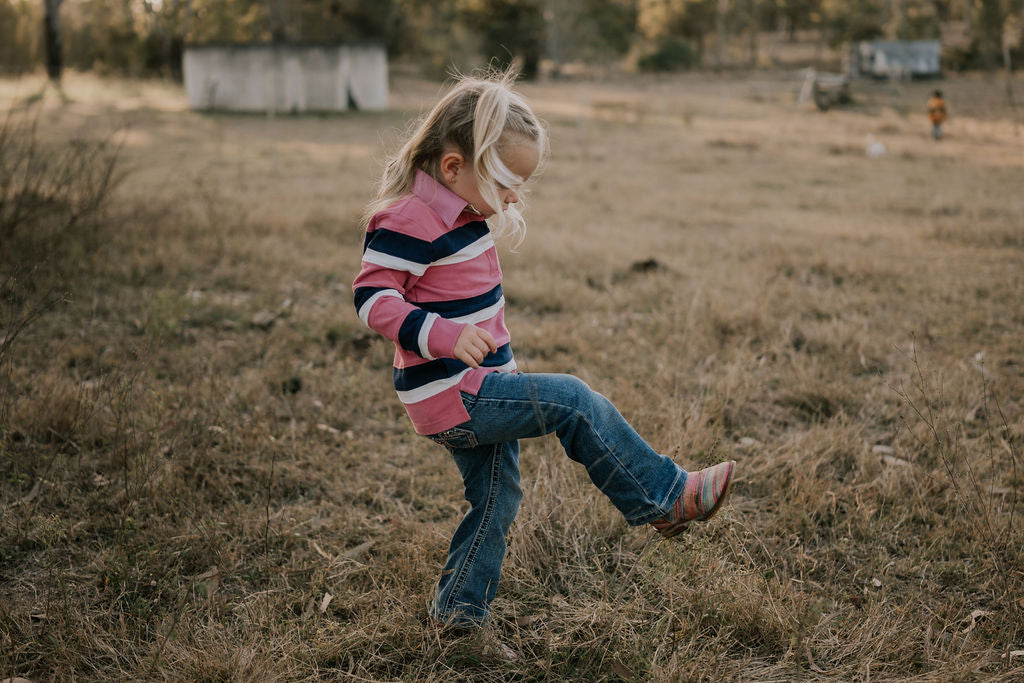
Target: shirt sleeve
{"points": [[392, 263]]}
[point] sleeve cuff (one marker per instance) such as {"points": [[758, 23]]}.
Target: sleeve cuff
{"points": [[442, 337]]}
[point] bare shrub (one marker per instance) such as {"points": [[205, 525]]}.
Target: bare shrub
{"points": [[52, 197], [979, 455], [16, 316]]}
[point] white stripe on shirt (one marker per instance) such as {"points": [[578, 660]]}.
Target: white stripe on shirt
{"points": [[421, 339], [364, 310], [468, 252], [437, 386], [431, 389], [481, 315], [379, 258]]}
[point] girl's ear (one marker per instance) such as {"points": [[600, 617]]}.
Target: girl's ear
{"points": [[452, 163]]}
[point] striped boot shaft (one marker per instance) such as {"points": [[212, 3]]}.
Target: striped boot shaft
{"points": [[702, 496]]}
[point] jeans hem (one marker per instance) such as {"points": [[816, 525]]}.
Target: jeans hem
{"points": [[662, 510]]}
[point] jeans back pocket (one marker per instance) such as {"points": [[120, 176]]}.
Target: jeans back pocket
{"points": [[456, 437]]}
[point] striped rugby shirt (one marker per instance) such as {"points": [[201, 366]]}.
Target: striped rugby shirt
{"points": [[430, 268]]}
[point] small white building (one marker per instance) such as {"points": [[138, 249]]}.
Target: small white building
{"points": [[896, 58], [286, 78]]}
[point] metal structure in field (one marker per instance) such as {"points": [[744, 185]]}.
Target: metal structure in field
{"points": [[896, 58], [286, 78]]}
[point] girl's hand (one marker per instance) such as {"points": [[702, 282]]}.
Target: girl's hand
{"points": [[473, 344]]}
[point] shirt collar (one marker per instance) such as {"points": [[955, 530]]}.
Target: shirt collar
{"points": [[443, 201]]}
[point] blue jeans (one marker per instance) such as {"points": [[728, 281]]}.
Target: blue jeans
{"points": [[641, 483]]}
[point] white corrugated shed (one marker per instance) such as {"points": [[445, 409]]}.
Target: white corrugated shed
{"points": [[286, 78], [896, 58]]}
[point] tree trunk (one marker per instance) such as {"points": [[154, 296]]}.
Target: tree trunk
{"points": [[277, 21], [551, 16], [990, 26], [1011, 40], [723, 8], [51, 31], [754, 17]]}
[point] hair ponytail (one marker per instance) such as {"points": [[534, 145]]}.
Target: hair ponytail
{"points": [[475, 117]]}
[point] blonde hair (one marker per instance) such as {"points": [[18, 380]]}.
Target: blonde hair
{"points": [[472, 118]]}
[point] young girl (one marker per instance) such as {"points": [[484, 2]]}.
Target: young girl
{"points": [[430, 282]]}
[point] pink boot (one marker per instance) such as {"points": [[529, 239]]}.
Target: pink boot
{"points": [[703, 494]]}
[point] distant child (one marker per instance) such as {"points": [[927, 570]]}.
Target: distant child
{"points": [[936, 113], [431, 283]]}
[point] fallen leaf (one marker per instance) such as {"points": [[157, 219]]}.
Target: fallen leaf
{"points": [[320, 551], [523, 622], [1014, 653], [325, 602], [212, 572], [881, 448], [209, 581], [876, 583], [328, 428], [976, 616], [358, 551]]}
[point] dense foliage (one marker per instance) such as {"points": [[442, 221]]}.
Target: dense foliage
{"points": [[145, 37]]}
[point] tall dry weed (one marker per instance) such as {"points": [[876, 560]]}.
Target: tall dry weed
{"points": [[979, 455], [53, 198]]}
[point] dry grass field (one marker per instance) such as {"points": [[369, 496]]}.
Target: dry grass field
{"points": [[206, 474]]}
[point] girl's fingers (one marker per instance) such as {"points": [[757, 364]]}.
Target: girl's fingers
{"points": [[476, 344], [467, 358], [489, 340]]}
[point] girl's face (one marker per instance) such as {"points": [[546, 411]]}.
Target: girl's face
{"points": [[520, 155]]}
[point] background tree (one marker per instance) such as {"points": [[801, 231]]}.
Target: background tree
{"points": [[659, 20], [20, 37], [508, 30], [52, 38], [604, 26], [853, 20], [146, 37], [989, 16]]}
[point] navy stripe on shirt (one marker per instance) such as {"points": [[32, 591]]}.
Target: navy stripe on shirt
{"points": [[458, 239], [409, 332], [456, 308], [363, 294], [442, 368], [400, 245], [410, 248]]}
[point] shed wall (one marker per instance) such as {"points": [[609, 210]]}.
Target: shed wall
{"points": [[893, 58], [286, 78]]}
